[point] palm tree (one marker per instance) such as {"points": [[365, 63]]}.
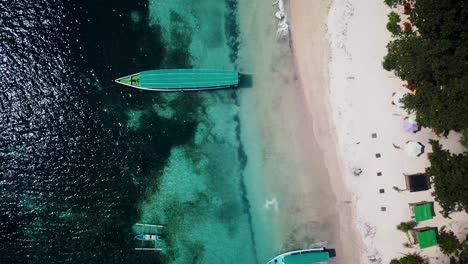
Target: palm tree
{"points": [[406, 227]]}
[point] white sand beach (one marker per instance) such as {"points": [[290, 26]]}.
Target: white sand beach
{"points": [[311, 49], [360, 93]]}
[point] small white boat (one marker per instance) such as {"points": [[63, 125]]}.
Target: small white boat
{"points": [[304, 256], [149, 239]]}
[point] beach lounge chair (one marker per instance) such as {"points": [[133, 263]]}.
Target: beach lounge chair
{"points": [[425, 237], [422, 211]]}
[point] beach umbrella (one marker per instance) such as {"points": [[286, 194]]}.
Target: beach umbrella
{"points": [[411, 126], [414, 149], [397, 96]]}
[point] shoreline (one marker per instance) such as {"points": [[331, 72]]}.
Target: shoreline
{"points": [[287, 173], [312, 54]]}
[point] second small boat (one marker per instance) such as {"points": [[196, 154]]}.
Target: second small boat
{"points": [[305, 256]]}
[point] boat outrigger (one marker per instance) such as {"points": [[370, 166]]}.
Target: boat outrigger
{"points": [[305, 256], [150, 238], [181, 80]]}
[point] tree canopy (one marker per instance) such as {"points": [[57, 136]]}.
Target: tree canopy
{"points": [[392, 25], [441, 20], [445, 107], [464, 138], [462, 256], [434, 58], [407, 226], [451, 246], [392, 3], [448, 242], [410, 259], [449, 176]]}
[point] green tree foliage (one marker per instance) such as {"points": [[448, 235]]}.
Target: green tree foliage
{"points": [[434, 59], [389, 63], [410, 259], [451, 246], [448, 242], [449, 176], [440, 20], [392, 3], [392, 25], [444, 107], [462, 256], [405, 227], [403, 52], [464, 139]]}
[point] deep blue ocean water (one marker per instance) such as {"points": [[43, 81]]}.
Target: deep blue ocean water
{"points": [[73, 172]]}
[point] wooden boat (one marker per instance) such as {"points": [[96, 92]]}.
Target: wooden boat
{"points": [[147, 237], [304, 256], [181, 80]]}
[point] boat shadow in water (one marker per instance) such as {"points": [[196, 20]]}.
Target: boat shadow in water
{"points": [[245, 81]]}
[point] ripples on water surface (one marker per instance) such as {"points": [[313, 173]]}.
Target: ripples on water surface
{"points": [[80, 157], [72, 171]]}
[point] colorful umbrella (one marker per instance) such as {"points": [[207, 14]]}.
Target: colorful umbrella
{"points": [[411, 126], [414, 149], [397, 96]]}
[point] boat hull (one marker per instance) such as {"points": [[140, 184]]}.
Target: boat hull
{"points": [[179, 80], [305, 256]]}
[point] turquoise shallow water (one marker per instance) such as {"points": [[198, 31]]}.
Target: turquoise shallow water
{"points": [[84, 159], [201, 195]]}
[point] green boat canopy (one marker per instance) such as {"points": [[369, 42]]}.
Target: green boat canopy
{"points": [[427, 238], [308, 258], [423, 212], [187, 78]]}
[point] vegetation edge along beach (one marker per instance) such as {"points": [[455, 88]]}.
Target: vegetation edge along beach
{"points": [[430, 53]]}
